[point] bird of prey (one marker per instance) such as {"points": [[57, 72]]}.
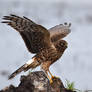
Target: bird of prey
{"points": [[47, 44]]}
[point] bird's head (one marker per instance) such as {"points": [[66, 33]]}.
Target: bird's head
{"points": [[61, 45]]}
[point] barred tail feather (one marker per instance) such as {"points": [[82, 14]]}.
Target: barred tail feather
{"points": [[17, 72], [30, 64]]}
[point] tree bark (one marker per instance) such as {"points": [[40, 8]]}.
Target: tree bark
{"points": [[37, 82]]}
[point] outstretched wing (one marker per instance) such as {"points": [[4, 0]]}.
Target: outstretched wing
{"points": [[59, 31], [35, 36]]}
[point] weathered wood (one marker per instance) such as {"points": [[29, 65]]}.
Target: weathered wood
{"points": [[37, 82]]}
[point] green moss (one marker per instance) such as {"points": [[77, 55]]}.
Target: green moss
{"points": [[70, 86]]}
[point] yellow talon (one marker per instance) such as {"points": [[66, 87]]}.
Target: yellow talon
{"points": [[53, 78], [51, 81]]}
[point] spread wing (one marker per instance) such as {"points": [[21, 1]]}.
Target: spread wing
{"points": [[35, 36], [59, 31]]}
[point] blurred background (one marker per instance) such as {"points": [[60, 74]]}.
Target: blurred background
{"points": [[76, 63]]}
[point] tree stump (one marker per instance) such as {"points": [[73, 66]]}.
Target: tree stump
{"points": [[37, 82]]}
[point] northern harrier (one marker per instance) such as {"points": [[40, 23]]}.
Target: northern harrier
{"points": [[47, 44]]}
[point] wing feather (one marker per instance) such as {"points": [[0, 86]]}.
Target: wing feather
{"points": [[35, 36], [59, 31]]}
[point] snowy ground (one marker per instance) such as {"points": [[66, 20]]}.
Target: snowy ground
{"points": [[76, 63]]}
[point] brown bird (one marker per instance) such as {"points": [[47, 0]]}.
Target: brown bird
{"points": [[47, 44]]}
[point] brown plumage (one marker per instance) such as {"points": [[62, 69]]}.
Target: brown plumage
{"points": [[46, 44]]}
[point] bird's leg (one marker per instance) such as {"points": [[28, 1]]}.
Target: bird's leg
{"points": [[45, 71], [47, 75], [52, 77], [50, 74], [45, 67]]}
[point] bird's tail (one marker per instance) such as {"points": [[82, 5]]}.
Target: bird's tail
{"points": [[30, 64]]}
